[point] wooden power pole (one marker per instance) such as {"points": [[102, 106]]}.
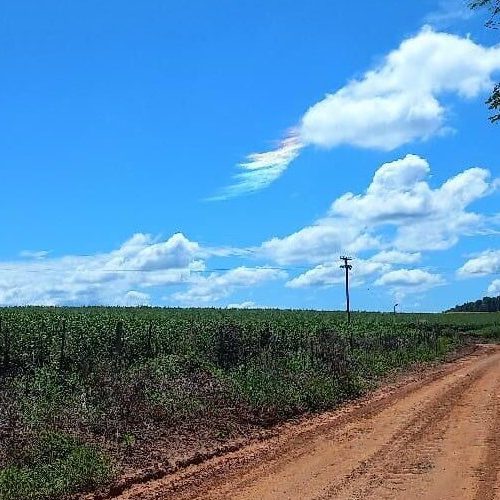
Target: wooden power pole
{"points": [[347, 268]]}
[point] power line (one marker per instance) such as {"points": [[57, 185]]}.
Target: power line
{"points": [[122, 270], [197, 271]]}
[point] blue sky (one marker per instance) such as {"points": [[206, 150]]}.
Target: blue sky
{"points": [[214, 154]]}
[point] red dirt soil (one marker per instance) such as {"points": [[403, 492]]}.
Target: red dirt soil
{"points": [[432, 436]]}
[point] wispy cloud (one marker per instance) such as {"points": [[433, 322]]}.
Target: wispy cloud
{"points": [[394, 104], [34, 254], [449, 12], [261, 169]]}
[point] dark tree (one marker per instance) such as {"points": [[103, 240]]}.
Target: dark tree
{"points": [[494, 103], [486, 304], [493, 6]]}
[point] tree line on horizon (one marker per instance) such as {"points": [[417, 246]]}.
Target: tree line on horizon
{"points": [[486, 304]]}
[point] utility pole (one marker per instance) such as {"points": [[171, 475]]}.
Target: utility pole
{"points": [[347, 268]]}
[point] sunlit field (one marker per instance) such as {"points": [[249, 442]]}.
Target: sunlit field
{"points": [[85, 390]]}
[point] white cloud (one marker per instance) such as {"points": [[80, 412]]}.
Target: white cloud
{"points": [[106, 278], [402, 282], [141, 253], [243, 305], [425, 218], [397, 102], [487, 262], [396, 257], [331, 274], [393, 104], [134, 298], [397, 192], [494, 288], [215, 286], [319, 242], [398, 198], [382, 122], [409, 277]]}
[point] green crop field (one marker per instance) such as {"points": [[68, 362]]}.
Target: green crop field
{"points": [[85, 391]]}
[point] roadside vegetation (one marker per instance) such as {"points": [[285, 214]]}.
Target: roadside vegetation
{"points": [[88, 393]]}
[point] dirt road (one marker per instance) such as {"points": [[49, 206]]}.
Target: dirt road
{"points": [[435, 436]]}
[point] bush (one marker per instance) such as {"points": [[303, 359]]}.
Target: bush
{"points": [[289, 385], [58, 465]]}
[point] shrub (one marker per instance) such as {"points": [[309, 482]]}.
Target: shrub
{"points": [[58, 465]]}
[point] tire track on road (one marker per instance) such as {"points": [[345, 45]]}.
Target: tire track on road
{"points": [[411, 450]]}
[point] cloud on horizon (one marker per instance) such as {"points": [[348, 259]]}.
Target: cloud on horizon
{"points": [[104, 278], [389, 227]]}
